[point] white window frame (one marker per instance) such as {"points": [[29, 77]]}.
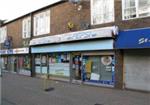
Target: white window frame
{"points": [[92, 14], [26, 28], [42, 23], [3, 34], [137, 12]]}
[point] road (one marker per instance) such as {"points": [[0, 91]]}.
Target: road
{"points": [[23, 90]]}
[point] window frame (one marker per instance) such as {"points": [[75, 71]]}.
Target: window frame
{"points": [[137, 11], [104, 21], [3, 34], [38, 21], [26, 23]]}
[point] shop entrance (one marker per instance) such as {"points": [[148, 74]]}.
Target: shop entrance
{"points": [[12, 64], [23, 63], [76, 68], [3, 61]]}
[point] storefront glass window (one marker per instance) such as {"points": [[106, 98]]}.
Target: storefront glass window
{"points": [[59, 64], [98, 69]]}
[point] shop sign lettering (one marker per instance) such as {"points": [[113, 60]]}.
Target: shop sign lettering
{"points": [[6, 51], [10, 51], [143, 40], [15, 51], [3, 51], [79, 36], [20, 50]]}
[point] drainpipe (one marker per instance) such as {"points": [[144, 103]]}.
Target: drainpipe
{"points": [[30, 53]]}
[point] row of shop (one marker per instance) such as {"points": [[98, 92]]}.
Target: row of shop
{"points": [[87, 57], [16, 61]]}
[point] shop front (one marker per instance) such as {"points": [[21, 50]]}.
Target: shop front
{"points": [[81, 57], [136, 48], [16, 61]]}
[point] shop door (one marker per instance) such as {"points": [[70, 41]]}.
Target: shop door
{"points": [[137, 71], [44, 65], [38, 64], [41, 66], [2, 63], [24, 65], [12, 64], [76, 67]]}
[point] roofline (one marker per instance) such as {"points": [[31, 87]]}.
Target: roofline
{"points": [[40, 9]]}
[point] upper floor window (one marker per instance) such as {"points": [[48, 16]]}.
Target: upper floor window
{"points": [[26, 28], [102, 11], [42, 23], [135, 9], [3, 34]]}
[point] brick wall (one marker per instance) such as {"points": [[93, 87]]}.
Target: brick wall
{"points": [[66, 12], [14, 30]]}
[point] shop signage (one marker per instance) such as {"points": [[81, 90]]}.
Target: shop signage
{"points": [[45, 40], [137, 38], [3, 52], [21, 51], [144, 40], [15, 51], [107, 32]]}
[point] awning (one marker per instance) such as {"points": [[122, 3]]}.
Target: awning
{"points": [[131, 39], [106, 32], [76, 46]]}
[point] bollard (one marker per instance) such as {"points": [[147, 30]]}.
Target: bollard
{"points": [[45, 81], [46, 86]]}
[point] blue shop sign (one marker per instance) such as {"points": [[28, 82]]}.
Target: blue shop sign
{"points": [[10, 51], [4, 52], [130, 39]]}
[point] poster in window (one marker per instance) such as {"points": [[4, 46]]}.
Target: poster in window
{"points": [[106, 60], [43, 60], [37, 61]]}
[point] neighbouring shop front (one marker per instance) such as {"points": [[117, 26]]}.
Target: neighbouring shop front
{"points": [[136, 47], [86, 56], [16, 61]]}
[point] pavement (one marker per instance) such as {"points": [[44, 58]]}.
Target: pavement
{"points": [[23, 90]]}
